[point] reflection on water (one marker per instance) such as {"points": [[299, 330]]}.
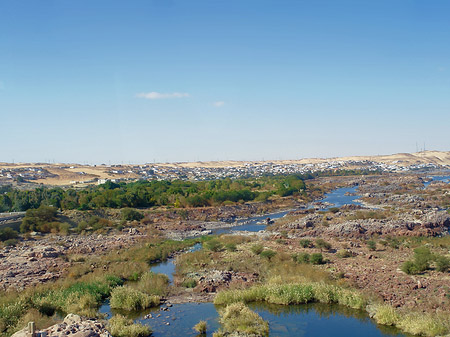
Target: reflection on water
{"points": [[342, 196], [295, 320], [445, 179], [168, 267]]}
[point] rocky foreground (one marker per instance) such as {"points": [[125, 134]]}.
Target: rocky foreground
{"points": [[72, 326], [38, 261]]}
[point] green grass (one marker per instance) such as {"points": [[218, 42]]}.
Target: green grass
{"points": [[417, 323], [120, 326], [238, 319], [200, 327], [287, 294], [130, 299], [153, 284], [82, 298]]}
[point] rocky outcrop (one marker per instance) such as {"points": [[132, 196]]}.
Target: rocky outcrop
{"points": [[27, 265], [72, 326], [38, 261]]}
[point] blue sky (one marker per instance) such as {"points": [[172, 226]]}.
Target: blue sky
{"points": [[176, 80]]}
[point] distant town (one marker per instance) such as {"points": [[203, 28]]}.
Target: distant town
{"points": [[76, 175]]}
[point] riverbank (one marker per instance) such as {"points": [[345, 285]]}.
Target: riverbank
{"points": [[362, 249]]}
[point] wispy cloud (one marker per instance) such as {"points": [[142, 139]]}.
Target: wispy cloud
{"points": [[159, 95], [218, 104]]}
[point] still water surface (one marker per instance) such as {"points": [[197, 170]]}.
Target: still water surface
{"points": [[308, 320], [305, 320]]}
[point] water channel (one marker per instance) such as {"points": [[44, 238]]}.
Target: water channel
{"points": [[444, 179], [295, 320]]}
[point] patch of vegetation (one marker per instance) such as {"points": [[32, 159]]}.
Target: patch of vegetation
{"points": [[200, 327], [421, 262], [305, 243], [344, 253], [257, 249], [231, 247], [322, 244], [372, 245], [424, 324], [189, 283], [315, 258], [42, 219], [130, 214], [268, 254], [120, 326], [130, 299], [364, 215], [442, 263], [238, 319], [88, 283], [82, 298], [8, 233], [214, 245], [287, 294], [152, 284]]}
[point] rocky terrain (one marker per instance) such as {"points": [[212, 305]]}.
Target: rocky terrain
{"points": [[72, 326], [38, 261]]}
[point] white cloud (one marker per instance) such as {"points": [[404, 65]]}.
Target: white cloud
{"points": [[218, 104], [158, 95]]}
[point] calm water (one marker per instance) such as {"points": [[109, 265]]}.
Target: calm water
{"points": [[339, 198], [313, 320], [255, 224], [168, 267], [445, 179]]}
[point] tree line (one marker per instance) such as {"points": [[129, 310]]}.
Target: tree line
{"points": [[144, 194]]}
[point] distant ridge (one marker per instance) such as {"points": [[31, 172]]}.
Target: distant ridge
{"points": [[401, 159]]}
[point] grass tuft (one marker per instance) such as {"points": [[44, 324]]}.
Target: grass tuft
{"points": [[238, 319], [131, 299], [120, 326], [200, 327]]}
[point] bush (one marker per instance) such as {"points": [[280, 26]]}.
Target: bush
{"points": [[422, 258], [153, 284], [189, 283], [257, 249], [130, 214], [214, 245], [238, 319], [120, 326], [316, 258], [372, 245], [268, 254], [305, 243], [35, 219], [386, 315], [409, 268], [200, 327], [322, 244], [344, 253], [7, 234], [302, 258], [11, 242], [130, 299], [442, 263], [231, 247]]}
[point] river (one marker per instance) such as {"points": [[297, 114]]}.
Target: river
{"points": [[284, 321]]}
